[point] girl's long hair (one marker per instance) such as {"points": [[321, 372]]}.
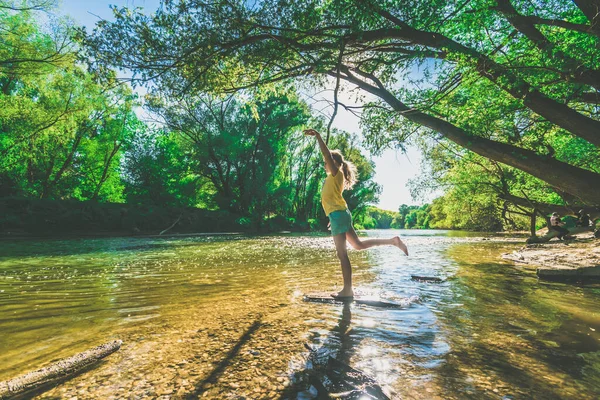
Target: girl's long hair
{"points": [[348, 169]]}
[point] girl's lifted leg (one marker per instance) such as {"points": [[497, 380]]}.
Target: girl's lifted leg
{"points": [[358, 244]]}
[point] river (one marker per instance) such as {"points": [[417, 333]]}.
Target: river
{"points": [[222, 317]]}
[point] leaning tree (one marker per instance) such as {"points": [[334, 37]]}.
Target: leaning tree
{"points": [[535, 63]]}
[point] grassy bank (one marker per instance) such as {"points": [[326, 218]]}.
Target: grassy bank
{"points": [[35, 217]]}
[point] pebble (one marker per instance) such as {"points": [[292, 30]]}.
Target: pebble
{"points": [[183, 373], [165, 391]]}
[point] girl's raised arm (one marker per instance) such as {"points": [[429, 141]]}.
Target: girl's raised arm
{"points": [[324, 150]]}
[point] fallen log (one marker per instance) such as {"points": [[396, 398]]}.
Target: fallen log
{"points": [[552, 234], [57, 371]]}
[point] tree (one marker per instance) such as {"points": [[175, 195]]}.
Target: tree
{"points": [[539, 61], [61, 132], [256, 157], [238, 147], [493, 196], [377, 218], [63, 135], [159, 171], [24, 48]]}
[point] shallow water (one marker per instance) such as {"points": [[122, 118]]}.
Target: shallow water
{"points": [[223, 317]]}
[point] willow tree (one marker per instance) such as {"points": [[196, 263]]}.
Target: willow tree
{"points": [[539, 60], [61, 133]]}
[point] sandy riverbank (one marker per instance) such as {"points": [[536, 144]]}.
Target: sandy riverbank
{"points": [[574, 260]]}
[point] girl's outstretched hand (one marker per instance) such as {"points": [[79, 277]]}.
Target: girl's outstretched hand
{"points": [[310, 132]]}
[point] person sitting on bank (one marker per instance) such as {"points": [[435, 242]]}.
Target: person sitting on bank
{"points": [[556, 224], [583, 219]]}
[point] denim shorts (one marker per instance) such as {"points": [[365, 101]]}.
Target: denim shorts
{"points": [[340, 221]]}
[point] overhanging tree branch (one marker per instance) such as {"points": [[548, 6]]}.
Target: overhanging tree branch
{"points": [[335, 92], [556, 112], [576, 71], [563, 176]]}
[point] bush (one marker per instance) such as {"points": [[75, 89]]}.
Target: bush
{"points": [[68, 217]]}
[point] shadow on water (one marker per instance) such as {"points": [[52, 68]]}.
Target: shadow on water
{"points": [[220, 368], [327, 370], [490, 330], [516, 338], [344, 335]]}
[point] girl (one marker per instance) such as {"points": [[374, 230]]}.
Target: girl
{"points": [[341, 175]]}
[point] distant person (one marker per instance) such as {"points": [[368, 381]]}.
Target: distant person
{"points": [[556, 224], [583, 219], [341, 175]]}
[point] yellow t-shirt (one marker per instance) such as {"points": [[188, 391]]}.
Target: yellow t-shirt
{"points": [[331, 194]]}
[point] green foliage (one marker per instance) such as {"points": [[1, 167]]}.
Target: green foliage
{"points": [[510, 82], [407, 217], [484, 195], [157, 170], [256, 158], [455, 212], [415, 216], [62, 132], [70, 133], [474, 108]]}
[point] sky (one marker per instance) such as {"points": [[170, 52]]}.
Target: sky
{"points": [[393, 168]]}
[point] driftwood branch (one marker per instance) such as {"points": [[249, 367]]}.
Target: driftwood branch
{"points": [[57, 371], [169, 228]]}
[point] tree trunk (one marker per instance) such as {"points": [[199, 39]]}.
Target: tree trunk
{"points": [[104, 176], [545, 208], [524, 25], [591, 9], [578, 73], [558, 113], [581, 183], [49, 183]]}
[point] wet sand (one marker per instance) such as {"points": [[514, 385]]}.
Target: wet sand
{"points": [[561, 260]]}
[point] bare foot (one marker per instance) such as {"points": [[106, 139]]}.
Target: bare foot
{"points": [[346, 294], [400, 244]]}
